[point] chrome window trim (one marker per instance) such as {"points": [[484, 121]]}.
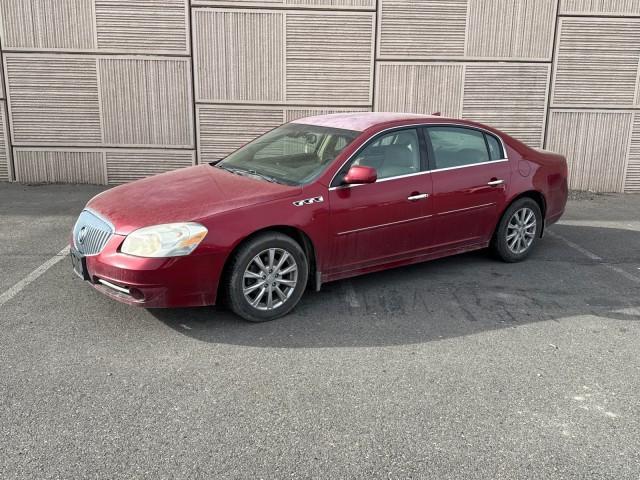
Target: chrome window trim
{"points": [[417, 125], [470, 165], [397, 177]]}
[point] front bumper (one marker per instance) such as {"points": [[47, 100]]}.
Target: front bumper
{"points": [[186, 281]]}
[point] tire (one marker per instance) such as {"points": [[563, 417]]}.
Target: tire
{"points": [[250, 285], [517, 233]]}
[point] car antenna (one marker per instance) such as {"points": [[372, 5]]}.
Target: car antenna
{"points": [[437, 114]]}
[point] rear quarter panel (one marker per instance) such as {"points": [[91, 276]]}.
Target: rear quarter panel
{"points": [[550, 177]]}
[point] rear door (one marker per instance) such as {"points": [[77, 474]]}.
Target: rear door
{"points": [[470, 174], [378, 222]]}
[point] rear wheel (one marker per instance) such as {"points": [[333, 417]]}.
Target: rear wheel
{"points": [[518, 230], [267, 277]]}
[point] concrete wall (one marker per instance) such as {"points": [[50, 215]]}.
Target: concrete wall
{"points": [[107, 91]]}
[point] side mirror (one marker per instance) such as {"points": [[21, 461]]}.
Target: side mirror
{"points": [[359, 174]]}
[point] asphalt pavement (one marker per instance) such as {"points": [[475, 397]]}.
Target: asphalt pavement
{"points": [[463, 367]]}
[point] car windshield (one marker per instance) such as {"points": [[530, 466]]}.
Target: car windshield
{"points": [[292, 154]]}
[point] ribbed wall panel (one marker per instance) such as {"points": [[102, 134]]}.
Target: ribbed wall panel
{"points": [[117, 79], [600, 7], [595, 144], [291, 114], [364, 4], [54, 99], [511, 29], [632, 183], [422, 29], [239, 55], [329, 57], [420, 88], [5, 155], [237, 3], [142, 25], [128, 165], [597, 62], [47, 24], [509, 97], [59, 166], [146, 101], [224, 129], [335, 4]]}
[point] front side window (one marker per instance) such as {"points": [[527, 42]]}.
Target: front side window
{"points": [[459, 146], [292, 154], [393, 154]]}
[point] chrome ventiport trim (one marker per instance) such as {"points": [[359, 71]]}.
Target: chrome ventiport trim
{"points": [[308, 201]]}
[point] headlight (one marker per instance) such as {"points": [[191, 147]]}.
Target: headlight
{"points": [[170, 240]]}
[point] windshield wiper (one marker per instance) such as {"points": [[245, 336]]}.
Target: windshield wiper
{"points": [[237, 171], [246, 172], [263, 176]]}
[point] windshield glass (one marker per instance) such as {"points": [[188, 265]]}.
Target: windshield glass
{"points": [[292, 154]]}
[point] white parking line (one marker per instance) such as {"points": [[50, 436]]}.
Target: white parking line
{"points": [[593, 256], [575, 246], [631, 225], [18, 287]]}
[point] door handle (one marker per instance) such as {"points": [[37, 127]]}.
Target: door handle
{"points": [[418, 196], [496, 182]]}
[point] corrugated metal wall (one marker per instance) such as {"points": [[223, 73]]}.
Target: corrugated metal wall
{"points": [[108, 91]]}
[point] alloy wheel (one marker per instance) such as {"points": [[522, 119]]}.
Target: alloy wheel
{"points": [[270, 279], [521, 230]]}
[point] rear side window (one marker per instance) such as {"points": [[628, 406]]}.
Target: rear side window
{"points": [[459, 146], [495, 149]]}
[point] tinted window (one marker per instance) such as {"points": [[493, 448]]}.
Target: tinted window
{"points": [[457, 146], [495, 149], [393, 154]]}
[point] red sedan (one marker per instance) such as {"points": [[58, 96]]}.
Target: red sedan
{"points": [[316, 200]]}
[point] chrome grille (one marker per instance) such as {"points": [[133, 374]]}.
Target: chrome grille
{"points": [[91, 233]]}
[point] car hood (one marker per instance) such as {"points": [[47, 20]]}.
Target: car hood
{"points": [[188, 194]]}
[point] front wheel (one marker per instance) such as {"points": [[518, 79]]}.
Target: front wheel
{"points": [[267, 277], [518, 230]]}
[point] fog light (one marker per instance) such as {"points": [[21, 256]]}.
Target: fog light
{"points": [[136, 294]]}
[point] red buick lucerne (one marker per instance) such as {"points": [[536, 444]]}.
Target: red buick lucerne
{"points": [[316, 200]]}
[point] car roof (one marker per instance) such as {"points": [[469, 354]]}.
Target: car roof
{"points": [[360, 121]]}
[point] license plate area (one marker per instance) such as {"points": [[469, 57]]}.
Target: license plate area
{"points": [[79, 264]]}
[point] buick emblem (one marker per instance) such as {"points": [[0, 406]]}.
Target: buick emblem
{"points": [[82, 235]]}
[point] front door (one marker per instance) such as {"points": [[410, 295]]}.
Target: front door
{"points": [[386, 220]]}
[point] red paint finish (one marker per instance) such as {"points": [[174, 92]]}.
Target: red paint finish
{"points": [[355, 229], [465, 206], [359, 174]]}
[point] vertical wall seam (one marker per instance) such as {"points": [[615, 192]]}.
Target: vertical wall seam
{"points": [[466, 28], [285, 64], [625, 170], [194, 113], [8, 134], [374, 55], [552, 72]]}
